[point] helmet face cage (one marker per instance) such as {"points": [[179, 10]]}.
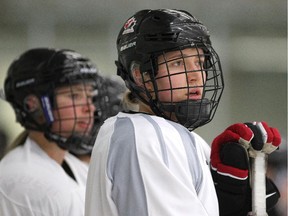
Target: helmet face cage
{"points": [[109, 100], [201, 99], [150, 34], [115, 91], [75, 122]]}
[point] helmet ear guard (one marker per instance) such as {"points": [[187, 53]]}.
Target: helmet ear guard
{"points": [[31, 104], [137, 75], [121, 71], [130, 78]]}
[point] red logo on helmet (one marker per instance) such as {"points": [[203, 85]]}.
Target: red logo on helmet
{"points": [[129, 26]]}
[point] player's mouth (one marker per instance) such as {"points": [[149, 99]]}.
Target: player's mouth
{"points": [[85, 125], [195, 94]]}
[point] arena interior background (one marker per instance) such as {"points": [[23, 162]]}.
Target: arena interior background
{"points": [[250, 37]]}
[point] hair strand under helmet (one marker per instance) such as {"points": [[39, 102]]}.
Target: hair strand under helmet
{"points": [[151, 33]]}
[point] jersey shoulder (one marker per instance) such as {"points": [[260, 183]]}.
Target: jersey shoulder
{"points": [[29, 178]]}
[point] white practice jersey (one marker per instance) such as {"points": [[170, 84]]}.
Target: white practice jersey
{"points": [[79, 169], [33, 184], [146, 165]]}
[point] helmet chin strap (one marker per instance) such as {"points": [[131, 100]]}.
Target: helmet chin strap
{"points": [[60, 140], [192, 113], [72, 143], [86, 146]]}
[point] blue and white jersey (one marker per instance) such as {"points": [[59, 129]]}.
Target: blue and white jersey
{"points": [[148, 166]]}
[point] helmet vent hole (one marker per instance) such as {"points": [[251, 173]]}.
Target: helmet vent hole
{"points": [[162, 37], [156, 18]]}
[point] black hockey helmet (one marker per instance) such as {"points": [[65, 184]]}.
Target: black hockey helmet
{"points": [[115, 90], [151, 33], [39, 72]]}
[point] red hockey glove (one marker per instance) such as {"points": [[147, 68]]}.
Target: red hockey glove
{"points": [[230, 164], [229, 168], [238, 136]]}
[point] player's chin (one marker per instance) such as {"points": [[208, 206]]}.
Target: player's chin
{"points": [[80, 133], [84, 131]]}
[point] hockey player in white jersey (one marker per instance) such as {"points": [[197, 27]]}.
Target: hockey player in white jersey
{"points": [[52, 92], [150, 162]]}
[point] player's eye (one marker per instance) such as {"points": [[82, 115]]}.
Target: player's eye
{"points": [[75, 96], [198, 63], [177, 63]]}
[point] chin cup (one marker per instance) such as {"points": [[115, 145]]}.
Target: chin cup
{"points": [[191, 113]]}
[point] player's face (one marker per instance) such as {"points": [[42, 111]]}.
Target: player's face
{"points": [[74, 110], [180, 75]]}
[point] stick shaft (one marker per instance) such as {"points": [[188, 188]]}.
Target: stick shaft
{"points": [[259, 184]]}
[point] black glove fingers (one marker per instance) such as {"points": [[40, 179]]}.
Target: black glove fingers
{"points": [[259, 136]]}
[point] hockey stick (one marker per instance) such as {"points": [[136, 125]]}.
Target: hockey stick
{"points": [[258, 183], [258, 177]]}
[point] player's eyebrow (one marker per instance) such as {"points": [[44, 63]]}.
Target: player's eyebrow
{"points": [[169, 56], [75, 88]]}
